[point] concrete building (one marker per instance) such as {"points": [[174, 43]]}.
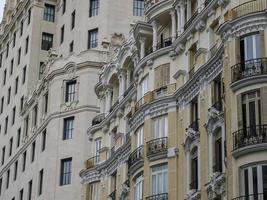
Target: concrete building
{"points": [[51, 52], [183, 106]]}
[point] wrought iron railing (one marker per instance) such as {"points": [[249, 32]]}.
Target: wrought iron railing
{"points": [[194, 125], [249, 68], [114, 105], [165, 43], [259, 196], [250, 136], [98, 119], [91, 162], [157, 145], [128, 90], [207, 2], [189, 22], [136, 155], [162, 196], [194, 184], [249, 7]]}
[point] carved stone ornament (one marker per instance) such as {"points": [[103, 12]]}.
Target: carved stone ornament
{"points": [[117, 40], [216, 186], [193, 195]]}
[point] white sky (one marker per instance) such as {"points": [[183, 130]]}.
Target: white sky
{"points": [[2, 3]]}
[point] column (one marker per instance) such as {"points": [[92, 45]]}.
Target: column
{"points": [[122, 82], [178, 20], [142, 47], [188, 171], [223, 148], [108, 100], [210, 154], [198, 167], [102, 105], [182, 8], [155, 35], [173, 18], [189, 10]]}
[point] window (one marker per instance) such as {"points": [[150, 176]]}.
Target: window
{"points": [[92, 38], [14, 39], [63, 6], [8, 95], [159, 179], [143, 87], [24, 75], [49, 13], [13, 115], [47, 41], [29, 16], [250, 47], [97, 148], [138, 188], [70, 91], [94, 7], [18, 137], [21, 194], [15, 171], [3, 155], [19, 55], [138, 7], [140, 136], [21, 103], [6, 124], [7, 49], [95, 191], [162, 76], [68, 128], [160, 127], [30, 190], [62, 30], [35, 115], [1, 59], [43, 140], [24, 161], [41, 70], [21, 28], [33, 151], [194, 169], [218, 159], [40, 186], [1, 182], [71, 46], [73, 15], [2, 104], [10, 146], [26, 45], [7, 178], [4, 79], [26, 126], [16, 84], [65, 171], [45, 103], [11, 67]]}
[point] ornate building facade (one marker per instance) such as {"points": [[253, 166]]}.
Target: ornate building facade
{"points": [[51, 52], [183, 106]]}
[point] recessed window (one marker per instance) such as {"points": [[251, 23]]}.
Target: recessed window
{"points": [[6, 124], [65, 171], [24, 75], [45, 103], [71, 46], [2, 104], [19, 55], [29, 16], [70, 91], [4, 78], [68, 128], [159, 179], [33, 151], [138, 7], [21, 28], [94, 7], [7, 49], [3, 155], [7, 178], [47, 41], [26, 45], [13, 115], [92, 38], [62, 30], [73, 16], [1, 182], [11, 67], [10, 146], [40, 186], [21, 194], [49, 13], [14, 39], [15, 171], [63, 6], [16, 85], [30, 190], [8, 95], [43, 140], [18, 137], [24, 161]]}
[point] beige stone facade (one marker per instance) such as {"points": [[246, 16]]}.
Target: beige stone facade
{"points": [[51, 52], [183, 106]]}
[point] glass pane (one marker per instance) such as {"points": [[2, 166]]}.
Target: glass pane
{"points": [[249, 48]]}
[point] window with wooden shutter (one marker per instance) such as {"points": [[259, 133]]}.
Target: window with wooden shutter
{"points": [[162, 75], [263, 105]]}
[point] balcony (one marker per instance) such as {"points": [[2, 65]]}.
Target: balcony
{"points": [[98, 119], [162, 196], [250, 136], [249, 68], [248, 8], [92, 162], [157, 146], [150, 3], [189, 22], [164, 91], [259, 196], [136, 158], [114, 105], [165, 43]]}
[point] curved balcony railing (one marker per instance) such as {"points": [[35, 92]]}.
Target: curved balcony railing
{"points": [[91, 162], [259, 196], [194, 125], [249, 7], [249, 68], [136, 156], [162, 196], [157, 145], [98, 119], [189, 22], [250, 136], [165, 43]]}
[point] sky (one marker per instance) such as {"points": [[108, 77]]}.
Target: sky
{"points": [[2, 3]]}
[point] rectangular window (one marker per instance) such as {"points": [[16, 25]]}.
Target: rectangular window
{"points": [[15, 171], [70, 91], [41, 70], [143, 87], [68, 128], [62, 30], [47, 41], [94, 7], [21, 194], [97, 148], [14, 39], [33, 151], [30, 190], [73, 16], [160, 125], [63, 6], [159, 179], [71, 46], [4, 79], [138, 188], [21, 28], [7, 49], [16, 85], [40, 187], [250, 47], [18, 137], [65, 171], [2, 104], [26, 126], [11, 67], [1, 59], [19, 55], [49, 13], [21, 103], [35, 115], [7, 178], [24, 161], [26, 45], [10, 146], [162, 78], [45, 103], [92, 38], [24, 75], [8, 95], [6, 124], [43, 140], [3, 155], [1, 182], [140, 136], [13, 115], [138, 7], [29, 16]]}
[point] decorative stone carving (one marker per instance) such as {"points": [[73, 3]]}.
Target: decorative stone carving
{"points": [[216, 186], [117, 40], [200, 26], [193, 195]]}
